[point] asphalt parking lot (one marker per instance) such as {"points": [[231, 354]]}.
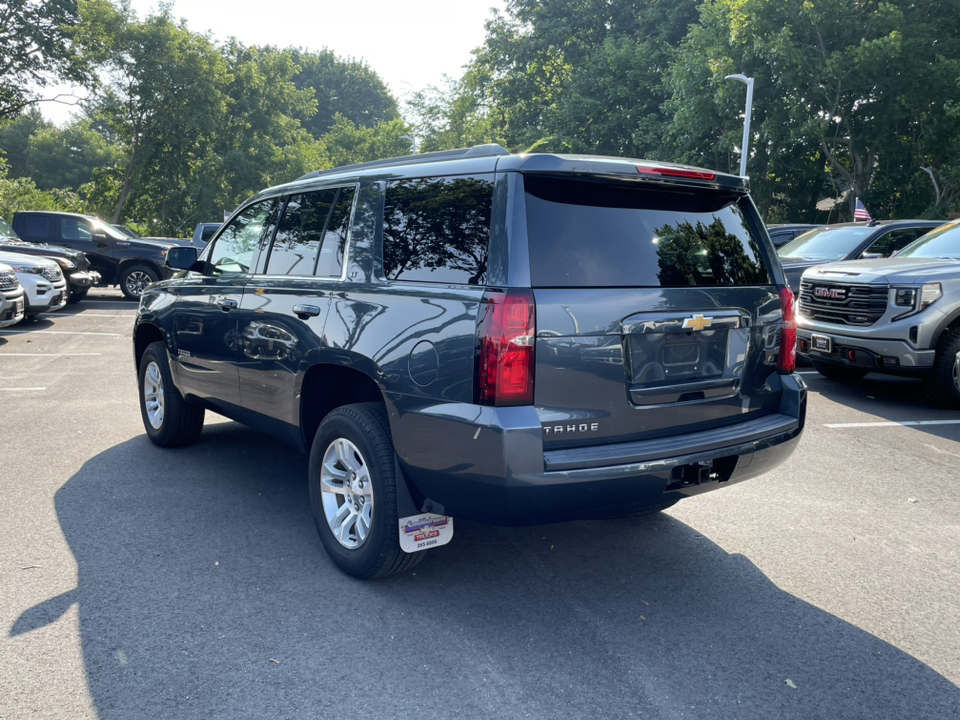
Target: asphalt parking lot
{"points": [[191, 583]]}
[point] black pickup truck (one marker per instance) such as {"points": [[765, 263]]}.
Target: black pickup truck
{"points": [[75, 265], [120, 260]]}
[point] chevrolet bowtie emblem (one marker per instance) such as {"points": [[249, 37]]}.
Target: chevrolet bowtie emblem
{"points": [[697, 322]]}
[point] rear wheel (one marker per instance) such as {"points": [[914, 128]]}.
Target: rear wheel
{"points": [[134, 280], [943, 383], [170, 421], [838, 372], [353, 492]]}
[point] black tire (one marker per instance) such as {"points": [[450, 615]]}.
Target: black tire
{"points": [[178, 423], [839, 372], [372, 549], [943, 382], [135, 278]]}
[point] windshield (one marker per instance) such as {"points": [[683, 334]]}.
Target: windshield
{"points": [[825, 243], [6, 232], [943, 242], [110, 231]]}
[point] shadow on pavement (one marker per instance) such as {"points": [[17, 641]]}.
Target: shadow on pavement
{"points": [[204, 592]]}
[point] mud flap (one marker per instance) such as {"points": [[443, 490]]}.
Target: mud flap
{"points": [[423, 530]]}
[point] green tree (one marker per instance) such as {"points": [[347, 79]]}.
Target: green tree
{"points": [[346, 87], [37, 50], [347, 144], [66, 157], [842, 97], [165, 101], [15, 139]]}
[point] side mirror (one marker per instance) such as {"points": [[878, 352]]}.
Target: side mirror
{"points": [[871, 256], [181, 258], [100, 237]]}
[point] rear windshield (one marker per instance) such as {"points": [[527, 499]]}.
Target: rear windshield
{"points": [[585, 233]]}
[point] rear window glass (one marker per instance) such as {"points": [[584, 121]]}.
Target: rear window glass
{"points": [[596, 234], [438, 229]]}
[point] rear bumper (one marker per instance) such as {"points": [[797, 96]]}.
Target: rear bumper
{"points": [[488, 464]]}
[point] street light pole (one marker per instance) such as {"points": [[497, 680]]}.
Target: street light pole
{"points": [[413, 141], [744, 147]]}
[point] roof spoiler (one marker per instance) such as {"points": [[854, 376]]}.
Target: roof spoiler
{"points": [[488, 150]]}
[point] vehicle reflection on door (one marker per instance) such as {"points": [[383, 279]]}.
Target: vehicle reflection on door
{"points": [[273, 339], [263, 341]]}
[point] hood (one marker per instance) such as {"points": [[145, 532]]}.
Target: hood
{"points": [[148, 243], [15, 245], [167, 240], [19, 260], [887, 271]]}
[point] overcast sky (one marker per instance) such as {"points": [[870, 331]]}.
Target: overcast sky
{"points": [[410, 44]]}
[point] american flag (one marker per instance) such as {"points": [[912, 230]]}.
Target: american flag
{"points": [[860, 213]]}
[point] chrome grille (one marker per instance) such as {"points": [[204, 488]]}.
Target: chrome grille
{"points": [[8, 281], [52, 274], [858, 305]]}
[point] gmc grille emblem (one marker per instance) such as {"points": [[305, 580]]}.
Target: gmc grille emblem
{"points": [[830, 293]]}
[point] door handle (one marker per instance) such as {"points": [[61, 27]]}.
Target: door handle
{"points": [[226, 304], [305, 311]]}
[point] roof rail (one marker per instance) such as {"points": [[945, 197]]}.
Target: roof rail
{"points": [[488, 150]]}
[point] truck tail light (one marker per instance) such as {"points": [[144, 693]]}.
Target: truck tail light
{"points": [[787, 360], [506, 336]]}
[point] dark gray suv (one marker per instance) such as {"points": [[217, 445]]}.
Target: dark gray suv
{"points": [[511, 339]]}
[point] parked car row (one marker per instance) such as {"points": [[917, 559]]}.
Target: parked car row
{"points": [[89, 251], [882, 297]]}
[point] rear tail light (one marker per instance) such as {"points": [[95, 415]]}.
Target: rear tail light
{"points": [[787, 361], [505, 348]]}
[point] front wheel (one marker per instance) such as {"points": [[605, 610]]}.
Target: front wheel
{"points": [[353, 492], [839, 372], [134, 280], [170, 421], [943, 383]]}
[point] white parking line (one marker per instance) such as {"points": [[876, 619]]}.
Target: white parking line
{"points": [[6, 354], [83, 315], [891, 423], [24, 389], [56, 332], [807, 372]]}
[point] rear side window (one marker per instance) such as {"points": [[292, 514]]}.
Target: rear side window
{"points": [[438, 229], [37, 226], [585, 233]]}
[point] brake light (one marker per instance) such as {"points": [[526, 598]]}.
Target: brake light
{"points": [[677, 172], [505, 348], [787, 360]]}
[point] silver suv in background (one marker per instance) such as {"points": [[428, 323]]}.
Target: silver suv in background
{"points": [[11, 297], [899, 315]]}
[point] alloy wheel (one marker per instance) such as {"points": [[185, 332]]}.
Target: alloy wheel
{"points": [[137, 281], [347, 493], [153, 395]]}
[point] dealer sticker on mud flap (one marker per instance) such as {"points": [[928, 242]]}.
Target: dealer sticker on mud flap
{"points": [[422, 532]]}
